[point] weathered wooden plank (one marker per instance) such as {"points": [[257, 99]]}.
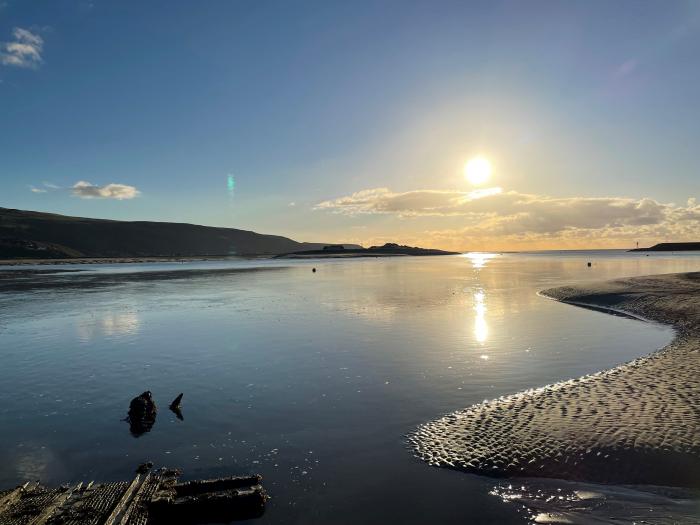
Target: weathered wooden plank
{"points": [[112, 518], [54, 505], [137, 499], [11, 497]]}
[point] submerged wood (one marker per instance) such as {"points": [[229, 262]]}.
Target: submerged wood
{"points": [[153, 498]]}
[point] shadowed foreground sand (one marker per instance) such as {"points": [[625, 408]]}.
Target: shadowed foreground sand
{"points": [[637, 423]]}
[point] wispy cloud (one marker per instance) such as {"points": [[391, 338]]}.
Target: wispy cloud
{"points": [[86, 190], [45, 187], [521, 217], [24, 51], [626, 68]]}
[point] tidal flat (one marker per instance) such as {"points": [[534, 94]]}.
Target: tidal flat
{"points": [[636, 423]]}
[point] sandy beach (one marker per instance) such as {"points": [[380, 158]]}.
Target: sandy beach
{"points": [[636, 423]]}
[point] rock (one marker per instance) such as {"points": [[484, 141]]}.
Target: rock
{"points": [[142, 414]]}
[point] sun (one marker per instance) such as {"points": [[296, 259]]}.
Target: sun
{"points": [[478, 170]]}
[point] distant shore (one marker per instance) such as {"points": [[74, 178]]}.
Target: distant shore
{"points": [[671, 247], [389, 249], [636, 423], [337, 255], [113, 260]]}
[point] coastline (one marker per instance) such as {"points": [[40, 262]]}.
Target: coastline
{"points": [[339, 255], [636, 423], [120, 260]]}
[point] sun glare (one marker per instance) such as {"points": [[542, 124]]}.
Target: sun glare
{"points": [[477, 170]]}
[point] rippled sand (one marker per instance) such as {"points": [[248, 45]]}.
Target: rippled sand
{"points": [[637, 423]]}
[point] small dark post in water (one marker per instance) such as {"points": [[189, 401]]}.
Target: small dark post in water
{"points": [[176, 402], [175, 407], [589, 264], [313, 270]]}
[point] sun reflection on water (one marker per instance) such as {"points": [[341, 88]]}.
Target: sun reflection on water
{"points": [[479, 259], [481, 329]]}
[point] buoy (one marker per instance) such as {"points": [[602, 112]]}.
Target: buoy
{"points": [[589, 265], [313, 270]]}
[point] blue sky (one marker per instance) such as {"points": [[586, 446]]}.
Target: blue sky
{"points": [[352, 121]]}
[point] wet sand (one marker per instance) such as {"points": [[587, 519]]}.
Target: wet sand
{"points": [[636, 423]]}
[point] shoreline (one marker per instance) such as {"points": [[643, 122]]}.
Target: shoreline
{"points": [[124, 260], [637, 423]]}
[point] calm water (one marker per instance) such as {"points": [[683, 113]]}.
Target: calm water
{"points": [[311, 379]]}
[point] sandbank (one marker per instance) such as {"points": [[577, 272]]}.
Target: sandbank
{"points": [[636, 423]]}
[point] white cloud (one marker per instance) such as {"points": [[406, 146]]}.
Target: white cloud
{"points": [[86, 190], [522, 217], [24, 51]]}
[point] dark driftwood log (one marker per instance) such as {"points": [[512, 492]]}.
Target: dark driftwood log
{"points": [[216, 500]]}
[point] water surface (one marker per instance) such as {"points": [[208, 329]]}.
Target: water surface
{"points": [[311, 379]]}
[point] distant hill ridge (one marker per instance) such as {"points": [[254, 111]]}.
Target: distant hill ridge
{"points": [[671, 247], [38, 235]]}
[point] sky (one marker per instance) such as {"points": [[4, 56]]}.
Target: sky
{"points": [[352, 121]]}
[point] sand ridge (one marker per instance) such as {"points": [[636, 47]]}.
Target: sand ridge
{"points": [[636, 423]]}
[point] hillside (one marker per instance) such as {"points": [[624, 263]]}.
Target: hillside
{"points": [[671, 247], [29, 234]]}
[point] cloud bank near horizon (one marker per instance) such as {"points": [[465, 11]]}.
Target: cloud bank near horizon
{"points": [[520, 219]]}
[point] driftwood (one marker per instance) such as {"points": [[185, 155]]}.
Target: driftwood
{"points": [[219, 500], [153, 497]]}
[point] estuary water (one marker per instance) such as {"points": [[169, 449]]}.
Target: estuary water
{"points": [[312, 379]]}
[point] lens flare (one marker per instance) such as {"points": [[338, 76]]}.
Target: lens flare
{"points": [[231, 185]]}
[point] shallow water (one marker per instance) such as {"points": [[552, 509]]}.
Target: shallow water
{"points": [[311, 379]]}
